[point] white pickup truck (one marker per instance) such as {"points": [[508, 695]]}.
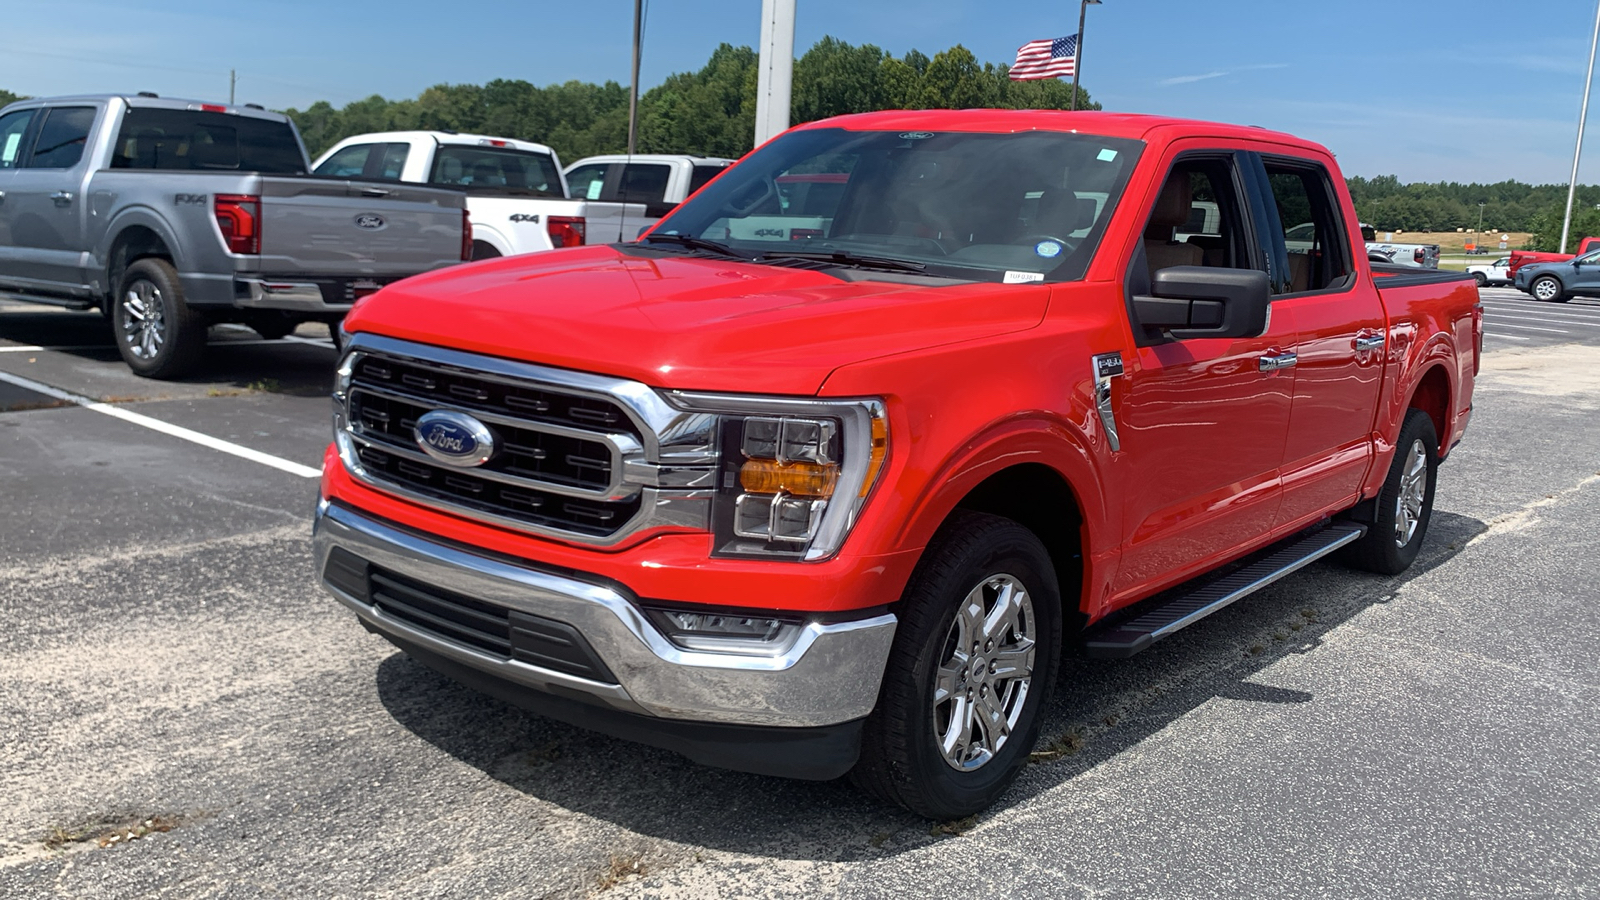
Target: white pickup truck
{"points": [[658, 180], [516, 195]]}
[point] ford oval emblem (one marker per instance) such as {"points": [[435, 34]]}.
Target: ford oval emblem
{"points": [[370, 221], [453, 438]]}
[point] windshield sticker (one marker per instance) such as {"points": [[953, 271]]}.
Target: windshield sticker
{"points": [[9, 155], [594, 189], [916, 135], [1047, 249], [1022, 277], [1107, 155]]}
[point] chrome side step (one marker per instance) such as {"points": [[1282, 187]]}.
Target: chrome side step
{"points": [[1124, 639], [79, 303]]}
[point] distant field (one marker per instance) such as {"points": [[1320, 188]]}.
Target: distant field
{"points": [[1454, 242]]}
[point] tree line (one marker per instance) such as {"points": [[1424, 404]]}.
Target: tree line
{"points": [[710, 112]]}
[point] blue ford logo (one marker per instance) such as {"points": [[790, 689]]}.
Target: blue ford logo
{"points": [[370, 221], [454, 438]]}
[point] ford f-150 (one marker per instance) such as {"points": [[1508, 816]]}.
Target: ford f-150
{"points": [[173, 215], [839, 499]]}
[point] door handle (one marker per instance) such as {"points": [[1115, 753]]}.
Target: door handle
{"points": [[62, 198], [1272, 362], [1365, 342], [374, 192]]}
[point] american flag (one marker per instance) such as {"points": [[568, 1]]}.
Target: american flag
{"points": [[1049, 58]]}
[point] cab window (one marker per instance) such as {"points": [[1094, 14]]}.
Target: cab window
{"points": [[62, 137], [13, 126], [1313, 233], [1197, 219], [348, 162]]}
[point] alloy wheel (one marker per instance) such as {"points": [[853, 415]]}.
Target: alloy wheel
{"points": [[1413, 490], [143, 319], [982, 684]]}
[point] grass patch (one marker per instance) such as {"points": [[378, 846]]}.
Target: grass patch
{"points": [[954, 828], [108, 832], [266, 386], [624, 868], [1064, 745]]}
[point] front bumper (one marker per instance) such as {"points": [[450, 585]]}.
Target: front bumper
{"points": [[828, 677]]}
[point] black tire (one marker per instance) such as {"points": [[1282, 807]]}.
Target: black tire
{"points": [[902, 761], [1548, 288], [1481, 279], [1387, 548], [482, 250], [157, 333]]}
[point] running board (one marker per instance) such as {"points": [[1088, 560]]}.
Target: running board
{"points": [[1127, 638], [78, 303]]}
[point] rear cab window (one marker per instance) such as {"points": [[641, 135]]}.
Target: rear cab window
{"points": [[703, 174], [192, 140], [1316, 243], [496, 170], [382, 162], [62, 137]]}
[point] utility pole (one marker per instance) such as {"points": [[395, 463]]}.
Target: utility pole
{"points": [[633, 90], [1077, 50], [233, 78], [1572, 185], [775, 75]]}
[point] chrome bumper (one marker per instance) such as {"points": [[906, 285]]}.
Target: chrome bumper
{"points": [[830, 675]]}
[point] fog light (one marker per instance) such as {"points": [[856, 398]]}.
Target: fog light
{"points": [[727, 632]]}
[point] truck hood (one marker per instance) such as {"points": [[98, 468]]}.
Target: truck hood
{"points": [[686, 322]]}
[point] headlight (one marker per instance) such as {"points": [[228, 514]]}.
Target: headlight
{"points": [[793, 473]]}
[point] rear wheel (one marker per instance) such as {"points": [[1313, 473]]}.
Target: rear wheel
{"points": [[158, 335], [1481, 279], [974, 662], [1546, 288], [1405, 504]]}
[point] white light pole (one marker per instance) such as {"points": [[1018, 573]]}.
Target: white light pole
{"points": [[633, 85], [1077, 51], [1572, 185], [775, 75]]}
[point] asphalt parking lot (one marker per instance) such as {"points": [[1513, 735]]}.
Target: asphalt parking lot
{"points": [[185, 714]]}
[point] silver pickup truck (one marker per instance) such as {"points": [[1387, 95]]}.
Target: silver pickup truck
{"points": [[173, 215]]}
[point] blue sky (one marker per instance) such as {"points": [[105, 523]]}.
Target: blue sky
{"points": [[1426, 90]]}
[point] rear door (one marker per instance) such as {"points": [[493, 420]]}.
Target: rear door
{"points": [[45, 203], [1204, 419], [1342, 336]]}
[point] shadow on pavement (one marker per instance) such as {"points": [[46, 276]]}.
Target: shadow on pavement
{"points": [[660, 794]]}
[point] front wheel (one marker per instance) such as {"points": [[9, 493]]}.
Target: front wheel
{"points": [[1481, 279], [158, 335], [1546, 288], [1405, 504], [973, 664]]}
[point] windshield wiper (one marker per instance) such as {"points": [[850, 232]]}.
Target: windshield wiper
{"points": [[845, 258], [695, 243]]}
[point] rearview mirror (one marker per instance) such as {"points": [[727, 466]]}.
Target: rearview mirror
{"points": [[1198, 301]]}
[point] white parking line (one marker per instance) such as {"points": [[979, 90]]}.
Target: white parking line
{"points": [[204, 440], [1509, 337], [1547, 313], [1532, 328], [1547, 321]]}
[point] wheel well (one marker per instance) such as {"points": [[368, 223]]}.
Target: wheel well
{"points": [[1433, 397], [1040, 499], [134, 243]]}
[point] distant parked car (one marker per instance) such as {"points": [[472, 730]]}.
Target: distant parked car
{"points": [[1497, 272], [1561, 281], [1520, 258]]}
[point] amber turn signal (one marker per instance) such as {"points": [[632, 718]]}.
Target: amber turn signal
{"points": [[801, 479]]}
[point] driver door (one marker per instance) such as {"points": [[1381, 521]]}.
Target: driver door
{"points": [[1205, 419]]}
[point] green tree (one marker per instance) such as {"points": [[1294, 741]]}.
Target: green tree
{"points": [[7, 98]]}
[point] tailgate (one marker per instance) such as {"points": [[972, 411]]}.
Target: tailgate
{"points": [[608, 223], [327, 226]]}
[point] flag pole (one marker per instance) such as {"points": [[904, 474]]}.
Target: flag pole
{"points": [[1077, 51], [1583, 113]]}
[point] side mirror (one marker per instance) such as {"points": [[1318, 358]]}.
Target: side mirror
{"points": [[1198, 301]]}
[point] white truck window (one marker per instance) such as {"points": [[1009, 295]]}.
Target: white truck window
{"points": [[349, 162], [496, 170]]}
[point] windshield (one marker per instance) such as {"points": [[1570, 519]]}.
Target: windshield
{"points": [[987, 207]]}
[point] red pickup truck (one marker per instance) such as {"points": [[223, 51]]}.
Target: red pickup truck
{"points": [[834, 489], [1520, 258]]}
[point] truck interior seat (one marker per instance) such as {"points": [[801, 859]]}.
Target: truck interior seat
{"points": [[1060, 213], [1299, 272], [450, 170], [1172, 209]]}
